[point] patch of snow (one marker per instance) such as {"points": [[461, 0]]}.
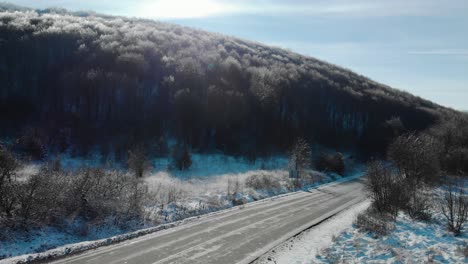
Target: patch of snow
{"points": [[208, 165], [411, 241]]}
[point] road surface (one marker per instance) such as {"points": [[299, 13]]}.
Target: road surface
{"points": [[236, 236]]}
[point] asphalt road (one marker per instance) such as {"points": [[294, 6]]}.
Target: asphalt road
{"points": [[236, 236]]}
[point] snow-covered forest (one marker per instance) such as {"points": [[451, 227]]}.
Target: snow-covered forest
{"points": [[81, 81]]}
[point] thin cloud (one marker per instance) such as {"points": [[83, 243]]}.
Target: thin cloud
{"points": [[443, 52]]}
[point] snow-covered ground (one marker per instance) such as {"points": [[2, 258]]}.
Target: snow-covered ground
{"points": [[410, 242], [338, 241], [214, 182], [208, 165], [307, 246]]}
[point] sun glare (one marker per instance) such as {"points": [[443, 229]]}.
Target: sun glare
{"points": [[173, 9]]}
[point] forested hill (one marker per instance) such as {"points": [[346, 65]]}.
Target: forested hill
{"points": [[80, 80]]}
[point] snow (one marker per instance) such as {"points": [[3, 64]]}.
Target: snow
{"points": [[307, 245], [203, 165], [47, 238], [208, 165], [410, 241]]}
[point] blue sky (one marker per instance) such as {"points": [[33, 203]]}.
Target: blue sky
{"points": [[416, 45]]}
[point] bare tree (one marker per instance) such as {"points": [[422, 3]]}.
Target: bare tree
{"points": [[416, 156], [137, 161], [8, 186], [454, 206], [299, 160]]}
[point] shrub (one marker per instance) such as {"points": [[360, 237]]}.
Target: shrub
{"points": [[331, 162], [419, 209], [93, 195], [374, 222], [454, 206], [233, 188], [262, 182], [386, 188]]}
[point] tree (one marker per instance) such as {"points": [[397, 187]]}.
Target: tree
{"points": [[8, 186], [137, 161], [299, 159], [416, 156], [181, 157]]}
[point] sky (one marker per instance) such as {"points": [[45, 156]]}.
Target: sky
{"points": [[420, 46]]}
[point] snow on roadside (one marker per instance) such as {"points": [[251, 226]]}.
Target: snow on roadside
{"points": [[306, 246], [410, 242]]}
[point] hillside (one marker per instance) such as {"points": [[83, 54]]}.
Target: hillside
{"points": [[81, 80]]}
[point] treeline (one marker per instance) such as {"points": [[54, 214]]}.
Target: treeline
{"points": [[79, 80]]}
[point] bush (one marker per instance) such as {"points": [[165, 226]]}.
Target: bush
{"points": [[233, 188], [374, 222], [331, 163], [262, 182], [417, 205], [454, 206], [92, 195], [386, 188]]}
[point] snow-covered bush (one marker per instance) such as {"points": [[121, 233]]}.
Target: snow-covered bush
{"points": [[262, 182], [374, 222], [58, 198]]}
